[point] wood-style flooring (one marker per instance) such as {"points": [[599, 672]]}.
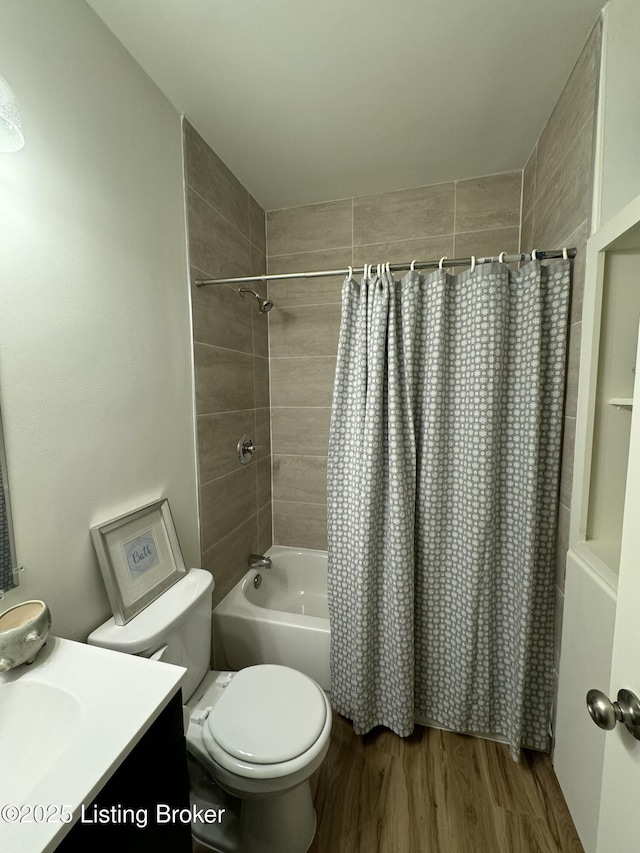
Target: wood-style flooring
{"points": [[435, 792]]}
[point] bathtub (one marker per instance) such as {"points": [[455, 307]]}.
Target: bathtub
{"points": [[285, 620]]}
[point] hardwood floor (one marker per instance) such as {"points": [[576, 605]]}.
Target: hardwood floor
{"points": [[436, 792]]}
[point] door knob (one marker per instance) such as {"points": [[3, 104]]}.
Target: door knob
{"points": [[606, 714]]}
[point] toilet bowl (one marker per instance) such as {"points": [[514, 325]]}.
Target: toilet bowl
{"points": [[259, 733]]}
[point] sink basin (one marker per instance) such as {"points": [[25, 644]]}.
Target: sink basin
{"points": [[38, 721], [67, 721]]}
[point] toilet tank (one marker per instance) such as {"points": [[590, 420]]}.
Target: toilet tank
{"points": [[175, 628]]}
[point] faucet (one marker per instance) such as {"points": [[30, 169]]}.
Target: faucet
{"points": [[259, 561]]}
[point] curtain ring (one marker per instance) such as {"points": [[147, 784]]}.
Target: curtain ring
{"points": [[350, 276], [413, 266], [387, 268], [364, 271], [473, 262], [501, 257], [534, 255], [565, 254], [441, 262], [379, 271]]}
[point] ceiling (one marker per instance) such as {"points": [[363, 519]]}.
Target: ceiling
{"points": [[307, 102]]}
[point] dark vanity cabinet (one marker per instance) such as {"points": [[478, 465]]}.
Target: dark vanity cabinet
{"points": [[144, 805]]}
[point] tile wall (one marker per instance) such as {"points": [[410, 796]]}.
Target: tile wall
{"points": [[479, 216], [226, 232], [556, 211]]}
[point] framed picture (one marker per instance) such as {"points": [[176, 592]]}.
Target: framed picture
{"points": [[139, 556]]}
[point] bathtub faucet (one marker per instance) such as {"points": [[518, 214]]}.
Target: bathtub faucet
{"points": [[259, 561]]}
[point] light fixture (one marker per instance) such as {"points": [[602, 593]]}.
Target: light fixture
{"points": [[11, 136]]}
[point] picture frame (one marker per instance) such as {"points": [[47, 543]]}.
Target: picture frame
{"points": [[139, 557]]}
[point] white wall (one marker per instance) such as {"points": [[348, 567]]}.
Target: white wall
{"points": [[621, 107], [95, 354]]}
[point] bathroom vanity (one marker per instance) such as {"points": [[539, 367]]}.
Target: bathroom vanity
{"points": [[82, 763]]}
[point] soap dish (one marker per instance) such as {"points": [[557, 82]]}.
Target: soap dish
{"points": [[24, 629]]}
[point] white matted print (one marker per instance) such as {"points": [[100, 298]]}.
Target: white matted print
{"points": [[139, 556]]}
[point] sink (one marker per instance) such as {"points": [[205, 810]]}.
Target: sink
{"points": [[36, 723], [67, 721]]}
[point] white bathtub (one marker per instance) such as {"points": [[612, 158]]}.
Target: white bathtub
{"points": [[285, 620]]}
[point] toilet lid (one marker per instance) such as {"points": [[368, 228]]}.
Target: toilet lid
{"points": [[268, 714]]}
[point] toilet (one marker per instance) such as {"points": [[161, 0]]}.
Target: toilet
{"points": [[258, 733]]}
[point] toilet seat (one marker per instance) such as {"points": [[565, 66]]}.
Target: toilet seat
{"points": [[270, 721]]}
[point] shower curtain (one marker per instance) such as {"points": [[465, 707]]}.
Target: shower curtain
{"points": [[442, 493]]}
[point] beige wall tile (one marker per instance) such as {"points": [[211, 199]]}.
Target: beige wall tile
{"points": [[302, 381], [309, 228], [526, 234], [574, 107], [401, 251], [573, 370], [566, 201], [491, 202], [260, 321], [257, 225], [578, 241], [261, 382], [221, 317], [300, 525], [566, 475], [260, 326], [226, 503], [263, 475], [223, 379], [262, 435], [265, 523], [215, 246], [300, 478], [301, 430], [300, 291], [218, 436], [529, 184], [487, 243], [228, 559], [305, 330], [210, 178], [403, 215]]}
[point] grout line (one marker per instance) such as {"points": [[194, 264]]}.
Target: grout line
{"points": [[303, 455], [221, 215], [455, 214], [298, 503], [355, 246], [284, 357], [234, 411], [521, 210], [233, 530], [239, 351], [266, 248], [238, 470]]}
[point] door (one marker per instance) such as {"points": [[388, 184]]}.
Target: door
{"points": [[619, 821]]}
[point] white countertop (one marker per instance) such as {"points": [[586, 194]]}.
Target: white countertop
{"points": [[78, 712]]}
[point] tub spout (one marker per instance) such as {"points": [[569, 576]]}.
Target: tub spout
{"points": [[259, 561]]}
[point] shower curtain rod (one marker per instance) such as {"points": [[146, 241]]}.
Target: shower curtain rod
{"points": [[418, 265]]}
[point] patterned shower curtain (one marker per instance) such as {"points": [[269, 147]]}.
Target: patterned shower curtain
{"points": [[442, 494]]}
